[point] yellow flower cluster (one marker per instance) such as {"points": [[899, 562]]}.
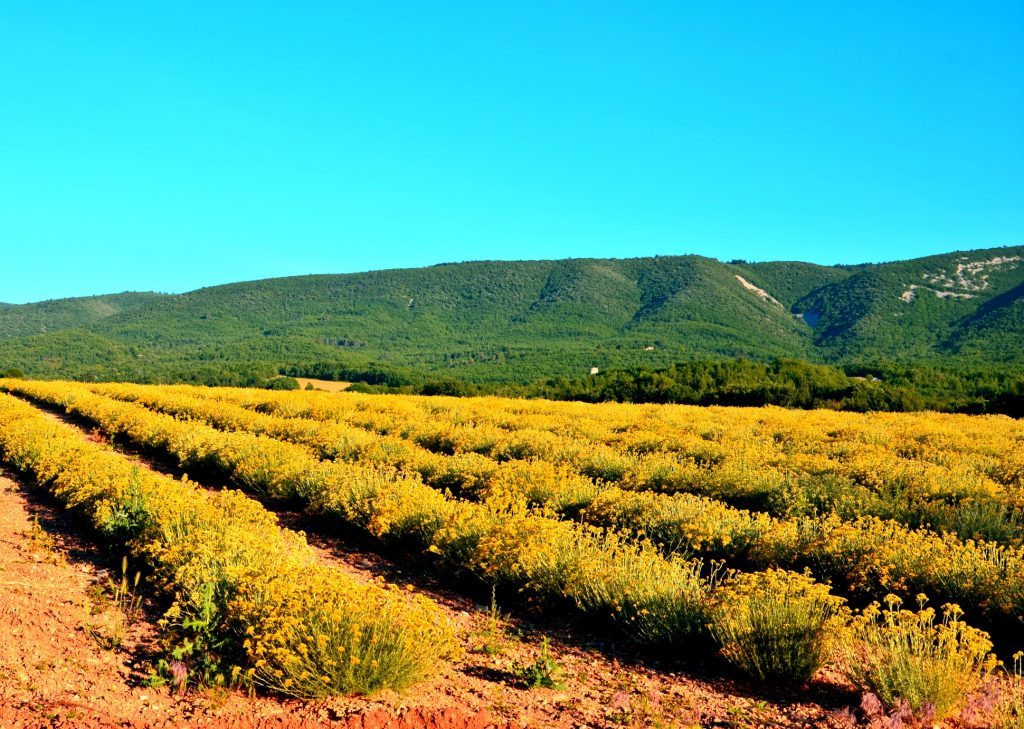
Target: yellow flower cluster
{"points": [[777, 625], [302, 628], [907, 656], [592, 506], [907, 467]]}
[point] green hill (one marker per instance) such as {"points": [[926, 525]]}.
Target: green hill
{"points": [[60, 314], [924, 309], [521, 321]]}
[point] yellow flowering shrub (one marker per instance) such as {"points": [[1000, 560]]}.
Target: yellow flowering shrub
{"points": [[395, 507], [685, 523], [868, 502], [541, 484], [223, 561], [776, 625], [861, 555], [916, 471], [907, 656]]}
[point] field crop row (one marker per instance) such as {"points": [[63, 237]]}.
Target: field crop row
{"points": [[949, 473], [250, 604], [773, 624], [866, 557], [654, 598]]}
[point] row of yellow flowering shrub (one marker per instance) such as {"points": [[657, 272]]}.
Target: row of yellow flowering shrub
{"points": [[654, 598], [249, 601], [852, 443], [963, 474], [775, 625], [464, 473], [862, 556]]}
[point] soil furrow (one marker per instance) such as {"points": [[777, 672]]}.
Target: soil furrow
{"points": [[605, 684]]}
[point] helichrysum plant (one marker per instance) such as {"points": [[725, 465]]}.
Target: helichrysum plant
{"points": [[775, 625], [909, 657]]}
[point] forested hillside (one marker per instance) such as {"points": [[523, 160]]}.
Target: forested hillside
{"points": [[525, 321]]}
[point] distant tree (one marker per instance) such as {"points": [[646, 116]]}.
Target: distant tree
{"points": [[13, 372], [282, 383]]}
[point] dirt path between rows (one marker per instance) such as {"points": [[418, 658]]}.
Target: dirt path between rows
{"points": [[55, 672]]}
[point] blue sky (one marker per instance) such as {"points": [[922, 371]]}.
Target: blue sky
{"points": [[177, 145]]}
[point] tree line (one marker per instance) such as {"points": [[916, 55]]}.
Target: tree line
{"points": [[785, 382], [881, 386]]}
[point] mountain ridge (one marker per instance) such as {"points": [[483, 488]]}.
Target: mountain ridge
{"points": [[521, 320]]}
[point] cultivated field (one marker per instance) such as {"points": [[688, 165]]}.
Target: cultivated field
{"points": [[694, 566], [307, 383]]}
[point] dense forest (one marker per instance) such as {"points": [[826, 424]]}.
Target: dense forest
{"points": [[791, 383], [797, 384]]}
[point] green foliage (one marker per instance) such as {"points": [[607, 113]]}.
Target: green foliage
{"points": [[446, 329], [51, 316], [196, 645], [786, 382], [283, 383], [129, 517], [882, 387], [967, 304], [790, 281], [492, 637], [545, 672]]}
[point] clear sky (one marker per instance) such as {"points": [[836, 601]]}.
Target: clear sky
{"points": [[169, 146]]}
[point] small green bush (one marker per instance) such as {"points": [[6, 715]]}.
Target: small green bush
{"points": [[282, 383], [545, 672]]}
